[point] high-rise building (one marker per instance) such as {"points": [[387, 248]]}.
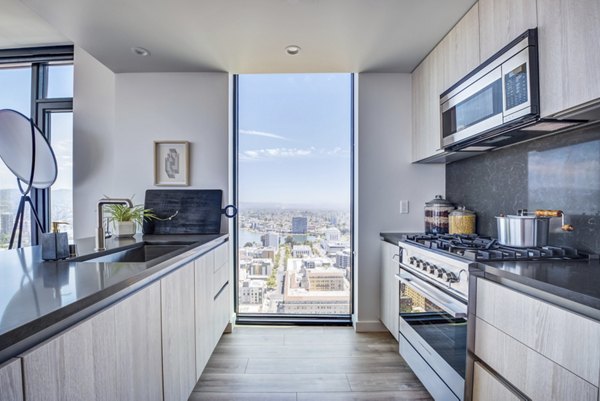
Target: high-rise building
{"points": [[6, 223], [301, 251], [299, 225], [270, 240], [342, 259]]}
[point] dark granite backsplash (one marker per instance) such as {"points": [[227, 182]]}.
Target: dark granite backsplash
{"points": [[557, 172]]}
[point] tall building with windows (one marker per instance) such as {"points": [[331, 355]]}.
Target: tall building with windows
{"points": [[332, 234], [299, 225], [270, 240]]}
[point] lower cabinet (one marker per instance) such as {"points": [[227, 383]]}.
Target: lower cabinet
{"points": [[390, 291], [151, 346], [544, 351], [178, 334], [138, 346], [79, 364], [486, 387], [11, 383], [114, 355]]}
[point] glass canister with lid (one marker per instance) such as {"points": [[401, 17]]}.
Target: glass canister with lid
{"points": [[437, 212], [462, 221]]}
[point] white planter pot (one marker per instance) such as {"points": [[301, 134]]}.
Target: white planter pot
{"points": [[124, 228]]}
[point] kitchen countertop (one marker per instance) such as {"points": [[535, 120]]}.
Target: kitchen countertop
{"points": [[577, 281], [39, 299]]}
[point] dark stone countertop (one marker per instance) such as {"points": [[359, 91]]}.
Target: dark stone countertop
{"points": [[576, 281], [39, 299], [393, 238]]}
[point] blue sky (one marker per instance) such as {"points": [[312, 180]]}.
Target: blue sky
{"points": [[294, 145]]}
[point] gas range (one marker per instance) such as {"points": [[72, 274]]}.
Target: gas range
{"points": [[445, 259]]}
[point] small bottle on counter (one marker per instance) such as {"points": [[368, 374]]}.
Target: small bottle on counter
{"points": [[55, 245]]}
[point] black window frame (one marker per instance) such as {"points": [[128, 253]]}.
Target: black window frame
{"points": [[39, 59]]}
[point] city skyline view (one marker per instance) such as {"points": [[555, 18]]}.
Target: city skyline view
{"points": [[294, 234]]}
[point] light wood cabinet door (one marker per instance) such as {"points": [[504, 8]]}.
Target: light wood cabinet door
{"points": [[534, 375], [79, 364], [204, 310], [569, 52], [486, 387], [460, 49], [501, 21], [11, 383], [427, 84], [390, 295], [221, 313], [138, 346], [545, 328], [178, 334]]}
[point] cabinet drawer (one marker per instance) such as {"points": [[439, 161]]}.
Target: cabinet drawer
{"points": [[220, 277], [564, 337], [534, 375], [221, 255], [486, 387]]}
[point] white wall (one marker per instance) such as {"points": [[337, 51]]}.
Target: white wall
{"points": [[385, 176], [117, 159], [93, 137]]}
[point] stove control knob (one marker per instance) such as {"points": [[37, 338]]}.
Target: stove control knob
{"points": [[451, 277], [441, 272], [432, 268], [425, 266], [412, 260]]}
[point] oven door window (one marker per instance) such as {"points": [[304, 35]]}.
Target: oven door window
{"points": [[445, 334]]}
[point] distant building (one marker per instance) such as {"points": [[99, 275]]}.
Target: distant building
{"points": [[270, 240], [343, 259], [252, 292], [333, 247], [267, 253], [325, 280], [6, 223], [332, 234], [299, 225], [301, 251]]}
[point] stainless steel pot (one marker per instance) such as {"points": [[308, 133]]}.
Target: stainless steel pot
{"points": [[523, 231]]}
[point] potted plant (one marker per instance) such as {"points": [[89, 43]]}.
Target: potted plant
{"points": [[125, 219]]}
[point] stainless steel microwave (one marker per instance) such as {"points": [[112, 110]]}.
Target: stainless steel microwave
{"points": [[485, 108]]}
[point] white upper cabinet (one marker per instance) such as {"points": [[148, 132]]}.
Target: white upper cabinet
{"points": [[454, 57], [569, 52], [501, 21]]}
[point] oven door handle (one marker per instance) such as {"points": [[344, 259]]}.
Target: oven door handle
{"points": [[454, 307]]}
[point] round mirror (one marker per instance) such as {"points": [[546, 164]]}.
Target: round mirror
{"points": [[16, 150]]}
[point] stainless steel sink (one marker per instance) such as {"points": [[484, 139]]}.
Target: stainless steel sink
{"points": [[139, 254]]}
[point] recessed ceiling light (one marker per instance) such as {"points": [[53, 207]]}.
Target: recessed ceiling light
{"points": [[140, 51], [292, 50]]}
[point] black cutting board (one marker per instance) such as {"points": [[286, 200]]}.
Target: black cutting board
{"points": [[193, 211]]}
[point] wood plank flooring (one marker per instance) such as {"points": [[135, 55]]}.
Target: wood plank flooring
{"points": [[267, 363]]}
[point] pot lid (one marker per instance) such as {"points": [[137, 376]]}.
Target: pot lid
{"points": [[439, 201]]}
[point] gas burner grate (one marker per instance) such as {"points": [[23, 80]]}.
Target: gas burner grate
{"points": [[479, 248]]}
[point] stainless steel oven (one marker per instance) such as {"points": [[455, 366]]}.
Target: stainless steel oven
{"points": [[433, 320]]}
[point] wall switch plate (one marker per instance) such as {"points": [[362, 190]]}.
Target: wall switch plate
{"points": [[403, 207]]}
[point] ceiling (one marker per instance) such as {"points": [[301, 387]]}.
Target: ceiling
{"points": [[243, 36], [20, 27]]}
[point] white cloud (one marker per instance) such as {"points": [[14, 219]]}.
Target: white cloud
{"points": [[280, 153], [263, 134]]}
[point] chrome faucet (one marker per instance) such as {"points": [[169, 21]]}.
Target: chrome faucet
{"points": [[100, 238]]}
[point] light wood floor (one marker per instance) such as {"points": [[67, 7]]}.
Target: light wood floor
{"points": [[307, 364]]}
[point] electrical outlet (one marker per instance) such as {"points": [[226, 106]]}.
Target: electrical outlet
{"points": [[403, 207]]}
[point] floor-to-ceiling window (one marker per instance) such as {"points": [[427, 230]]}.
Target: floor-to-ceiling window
{"points": [[294, 193], [39, 84]]}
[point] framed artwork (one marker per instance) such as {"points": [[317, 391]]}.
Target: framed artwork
{"points": [[171, 163]]}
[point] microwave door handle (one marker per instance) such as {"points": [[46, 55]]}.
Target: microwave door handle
{"points": [[456, 311]]}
